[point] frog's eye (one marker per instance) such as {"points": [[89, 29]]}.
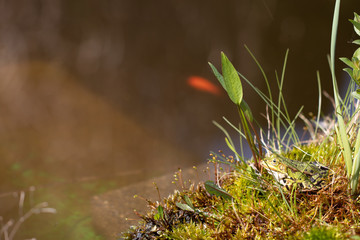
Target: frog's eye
{"points": [[274, 161], [312, 171]]}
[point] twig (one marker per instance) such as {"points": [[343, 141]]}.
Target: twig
{"points": [[4, 229], [42, 207], [21, 203]]}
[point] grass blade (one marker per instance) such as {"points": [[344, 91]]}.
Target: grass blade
{"points": [[319, 102], [342, 129]]}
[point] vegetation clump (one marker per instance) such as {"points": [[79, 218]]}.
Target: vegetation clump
{"points": [[257, 209], [289, 189]]}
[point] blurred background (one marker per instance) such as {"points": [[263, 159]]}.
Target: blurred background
{"points": [[95, 95]]}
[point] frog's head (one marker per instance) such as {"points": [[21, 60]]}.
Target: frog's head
{"points": [[273, 164]]}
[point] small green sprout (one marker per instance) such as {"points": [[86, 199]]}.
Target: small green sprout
{"points": [[160, 213]]}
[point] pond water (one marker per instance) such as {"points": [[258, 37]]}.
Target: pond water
{"points": [[95, 95]]}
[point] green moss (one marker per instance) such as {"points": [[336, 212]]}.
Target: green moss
{"points": [[324, 233], [190, 231]]}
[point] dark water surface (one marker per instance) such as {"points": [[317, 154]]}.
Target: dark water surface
{"points": [[94, 95]]}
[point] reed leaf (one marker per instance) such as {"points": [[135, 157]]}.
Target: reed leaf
{"points": [[338, 111]]}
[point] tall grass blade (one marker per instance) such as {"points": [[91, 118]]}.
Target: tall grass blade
{"points": [[232, 125], [272, 106], [229, 141], [356, 165], [265, 78], [281, 96], [319, 102], [232, 148], [355, 172], [338, 111]]}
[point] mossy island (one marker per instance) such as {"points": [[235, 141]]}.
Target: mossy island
{"points": [[291, 187]]}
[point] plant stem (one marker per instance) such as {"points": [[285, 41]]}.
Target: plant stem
{"points": [[249, 138]]}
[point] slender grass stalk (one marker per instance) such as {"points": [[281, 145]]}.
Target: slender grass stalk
{"points": [[249, 138], [229, 142], [265, 77], [281, 99], [338, 111], [293, 136], [285, 121], [319, 102]]}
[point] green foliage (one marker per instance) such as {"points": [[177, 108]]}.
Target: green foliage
{"points": [[188, 206], [160, 213], [213, 189], [232, 84], [230, 81], [354, 63], [356, 23], [352, 157]]}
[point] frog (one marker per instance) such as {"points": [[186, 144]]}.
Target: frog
{"points": [[306, 175]]}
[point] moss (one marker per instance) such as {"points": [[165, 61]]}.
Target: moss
{"points": [[324, 233], [190, 231]]}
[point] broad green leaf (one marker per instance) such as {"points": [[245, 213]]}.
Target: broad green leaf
{"points": [[356, 57], [231, 80], [218, 75], [356, 26], [356, 17], [347, 62], [356, 76], [356, 41], [184, 206], [247, 111], [349, 71], [188, 201], [213, 189], [356, 20], [356, 94]]}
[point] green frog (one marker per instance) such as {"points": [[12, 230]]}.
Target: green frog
{"points": [[307, 175]]}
